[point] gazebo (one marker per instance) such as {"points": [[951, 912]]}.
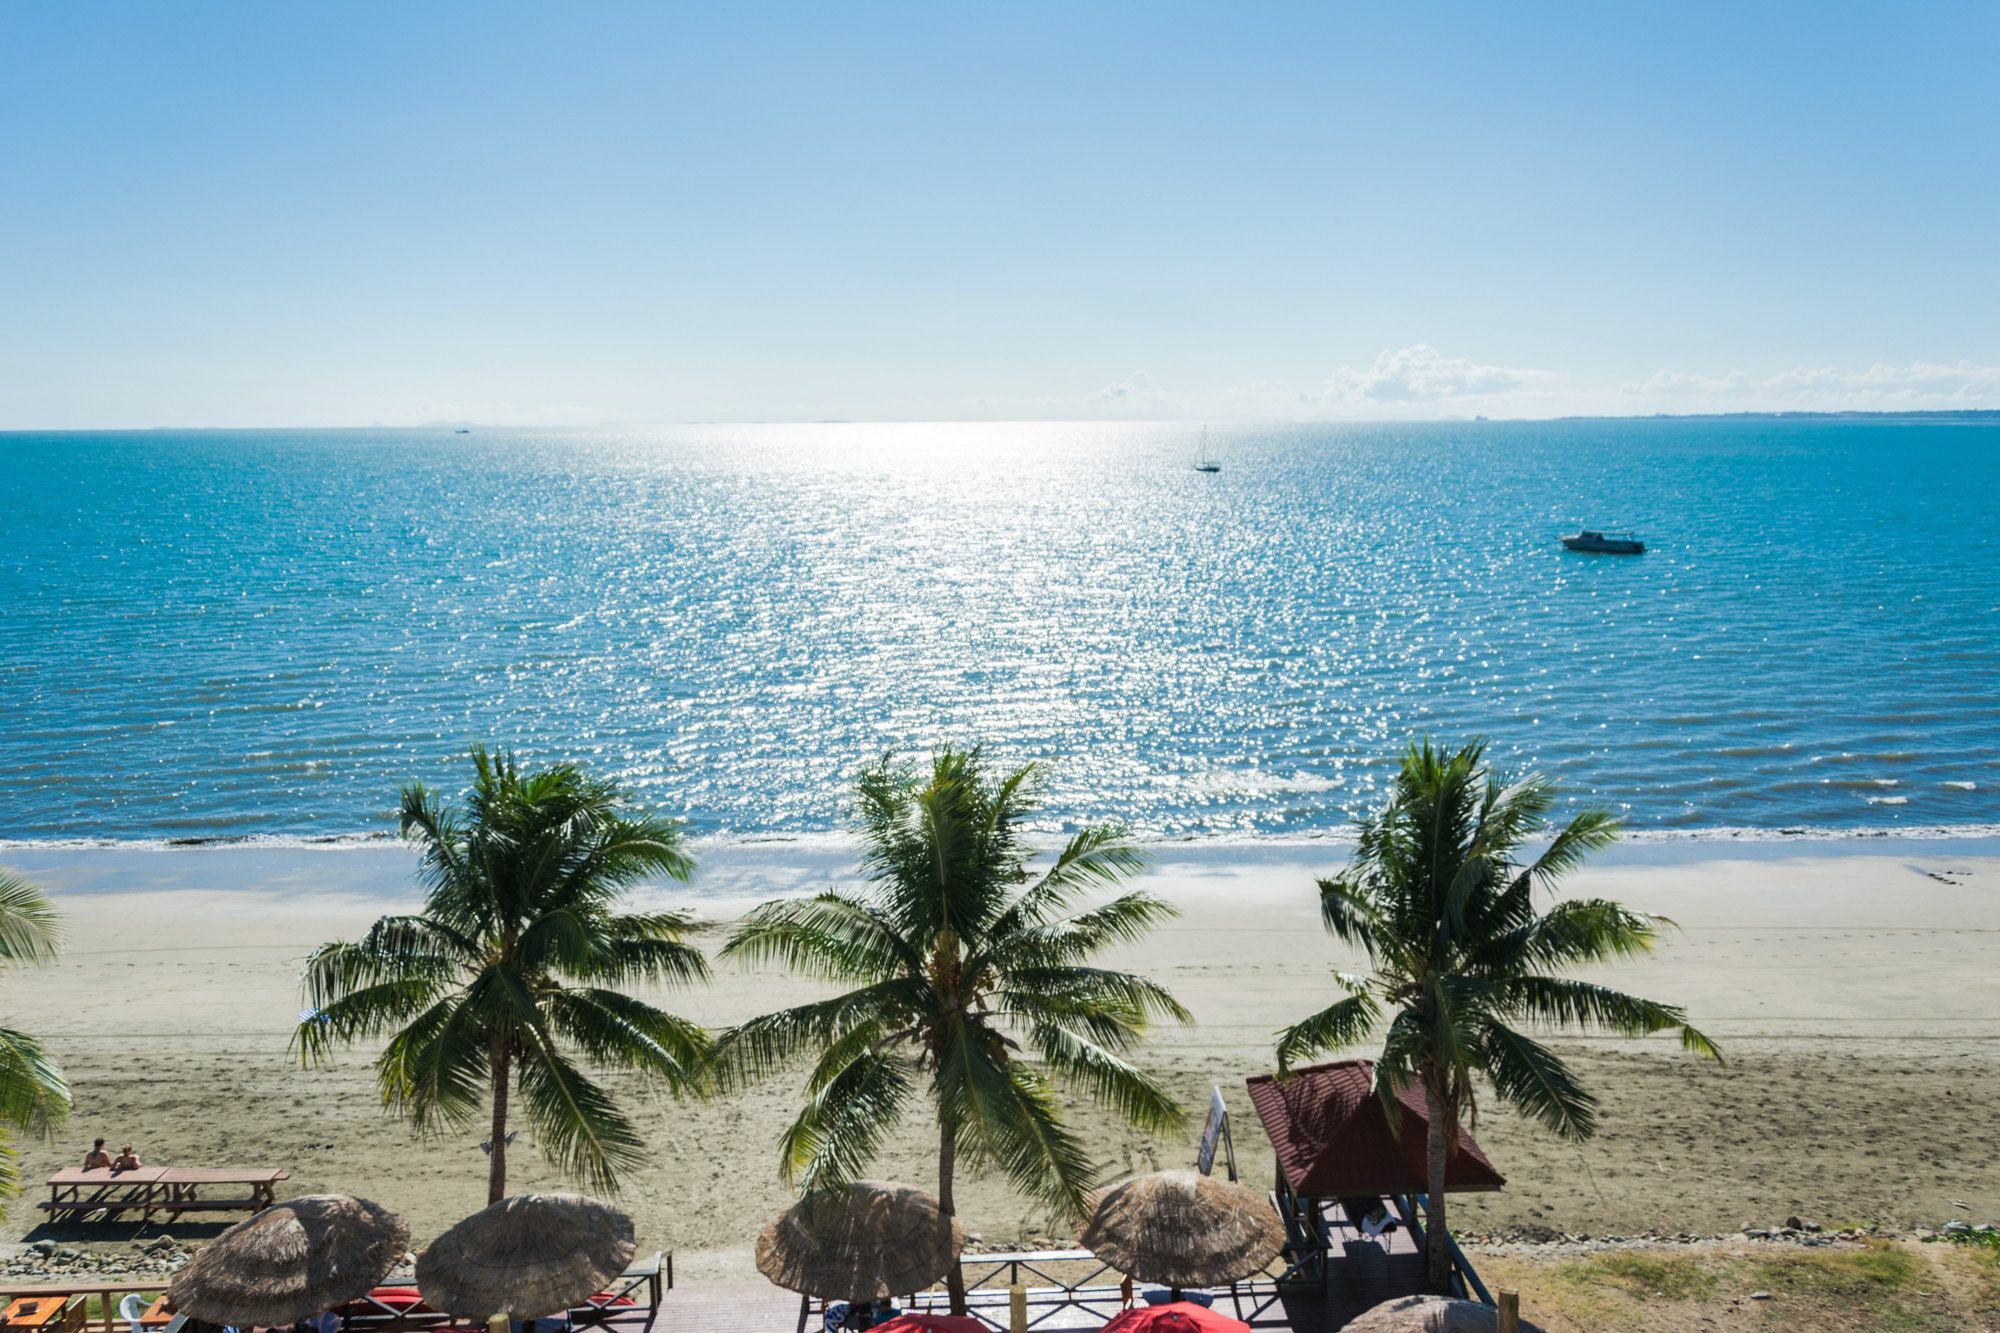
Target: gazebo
{"points": [[1343, 1173]]}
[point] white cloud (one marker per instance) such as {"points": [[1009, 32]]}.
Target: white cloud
{"points": [[1422, 374], [1136, 393], [1920, 384], [1417, 381]]}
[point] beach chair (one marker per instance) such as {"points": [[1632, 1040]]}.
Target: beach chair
{"points": [[1371, 1217], [1379, 1224], [642, 1280], [390, 1307]]}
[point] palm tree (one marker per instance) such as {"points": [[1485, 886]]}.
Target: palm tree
{"points": [[1438, 899], [512, 967], [34, 1097], [959, 959]]}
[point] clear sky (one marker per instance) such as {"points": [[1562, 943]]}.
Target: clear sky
{"points": [[259, 214]]}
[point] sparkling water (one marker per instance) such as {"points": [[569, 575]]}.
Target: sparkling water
{"points": [[213, 635]]}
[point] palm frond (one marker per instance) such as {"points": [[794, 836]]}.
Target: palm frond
{"points": [[1095, 857], [581, 1130], [833, 936], [1588, 930], [1342, 1024], [767, 1043], [1349, 912], [1536, 1082], [844, 1122], [1028, 988], [30, 926], [1006, 1114], [1590, 831], [1108, 1080], [614, 1029], [435, 1068], [1126, 919], [361, 1013], [34, 1096], [335, 971]]}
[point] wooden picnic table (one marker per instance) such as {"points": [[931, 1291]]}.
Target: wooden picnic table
{"points": [[167, 1191], [37, 1312]]}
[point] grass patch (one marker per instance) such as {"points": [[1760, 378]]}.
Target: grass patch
{"points": [[1878, 1287], [1976, 1270], [1881, 1285], [1674, 1277], [1876, 1268], [1633, 1291]]}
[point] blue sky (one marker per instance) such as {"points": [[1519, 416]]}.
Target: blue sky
{"points": [[317, 214]]}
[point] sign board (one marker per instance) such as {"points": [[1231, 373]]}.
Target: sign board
{"points": [[1215, 1133]]}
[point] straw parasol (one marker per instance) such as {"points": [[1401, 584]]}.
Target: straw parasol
{"points": [[860, 1241], [526, 1257], [292, 1261], [1183, 1229]]}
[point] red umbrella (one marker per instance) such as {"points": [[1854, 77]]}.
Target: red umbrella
{"points": [[1175, 1317], [931, 1323]]}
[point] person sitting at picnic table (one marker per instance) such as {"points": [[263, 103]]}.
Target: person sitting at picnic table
{"points": [[127, 1160], [97, 1159]]}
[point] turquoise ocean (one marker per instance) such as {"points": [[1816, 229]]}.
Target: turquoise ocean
{"points": [[263, 634]]}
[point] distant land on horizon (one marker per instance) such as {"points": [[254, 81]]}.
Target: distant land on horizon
{"points": [[1932, 414]]}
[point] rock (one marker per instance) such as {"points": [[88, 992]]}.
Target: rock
{"points": [[1756, 1233], [1760, 1295], [1431, 1314], [1794, 1223], [43, 1247]]}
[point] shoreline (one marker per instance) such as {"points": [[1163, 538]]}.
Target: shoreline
{"points": [[730, 871]]}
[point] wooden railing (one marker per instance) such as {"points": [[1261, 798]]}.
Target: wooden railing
{"points": [[108, 1294]]}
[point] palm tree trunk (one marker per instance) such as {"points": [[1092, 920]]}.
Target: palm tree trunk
{"points": [[1437, 1146], [496, 1174], [954, 1278]]}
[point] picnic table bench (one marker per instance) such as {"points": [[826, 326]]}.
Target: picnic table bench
{"points": [[168, 1191]]}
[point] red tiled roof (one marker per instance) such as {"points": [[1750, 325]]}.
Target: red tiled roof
{"points": [[1333, 1138]]}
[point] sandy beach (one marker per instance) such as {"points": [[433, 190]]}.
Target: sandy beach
{"points": [[1852, 984]]}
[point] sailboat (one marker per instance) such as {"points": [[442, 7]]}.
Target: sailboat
{"points": [[1202, 461]]}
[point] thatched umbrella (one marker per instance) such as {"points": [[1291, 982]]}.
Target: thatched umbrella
{"points": [[292, 1261], [1183, 1229], [526, 1257], [860, 1242]]}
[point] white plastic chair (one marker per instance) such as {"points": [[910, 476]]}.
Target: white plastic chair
{"points": [[130, 1309], [1379, 1224]]}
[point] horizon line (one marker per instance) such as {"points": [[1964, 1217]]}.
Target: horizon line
{"points": [[1935, 414]]}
